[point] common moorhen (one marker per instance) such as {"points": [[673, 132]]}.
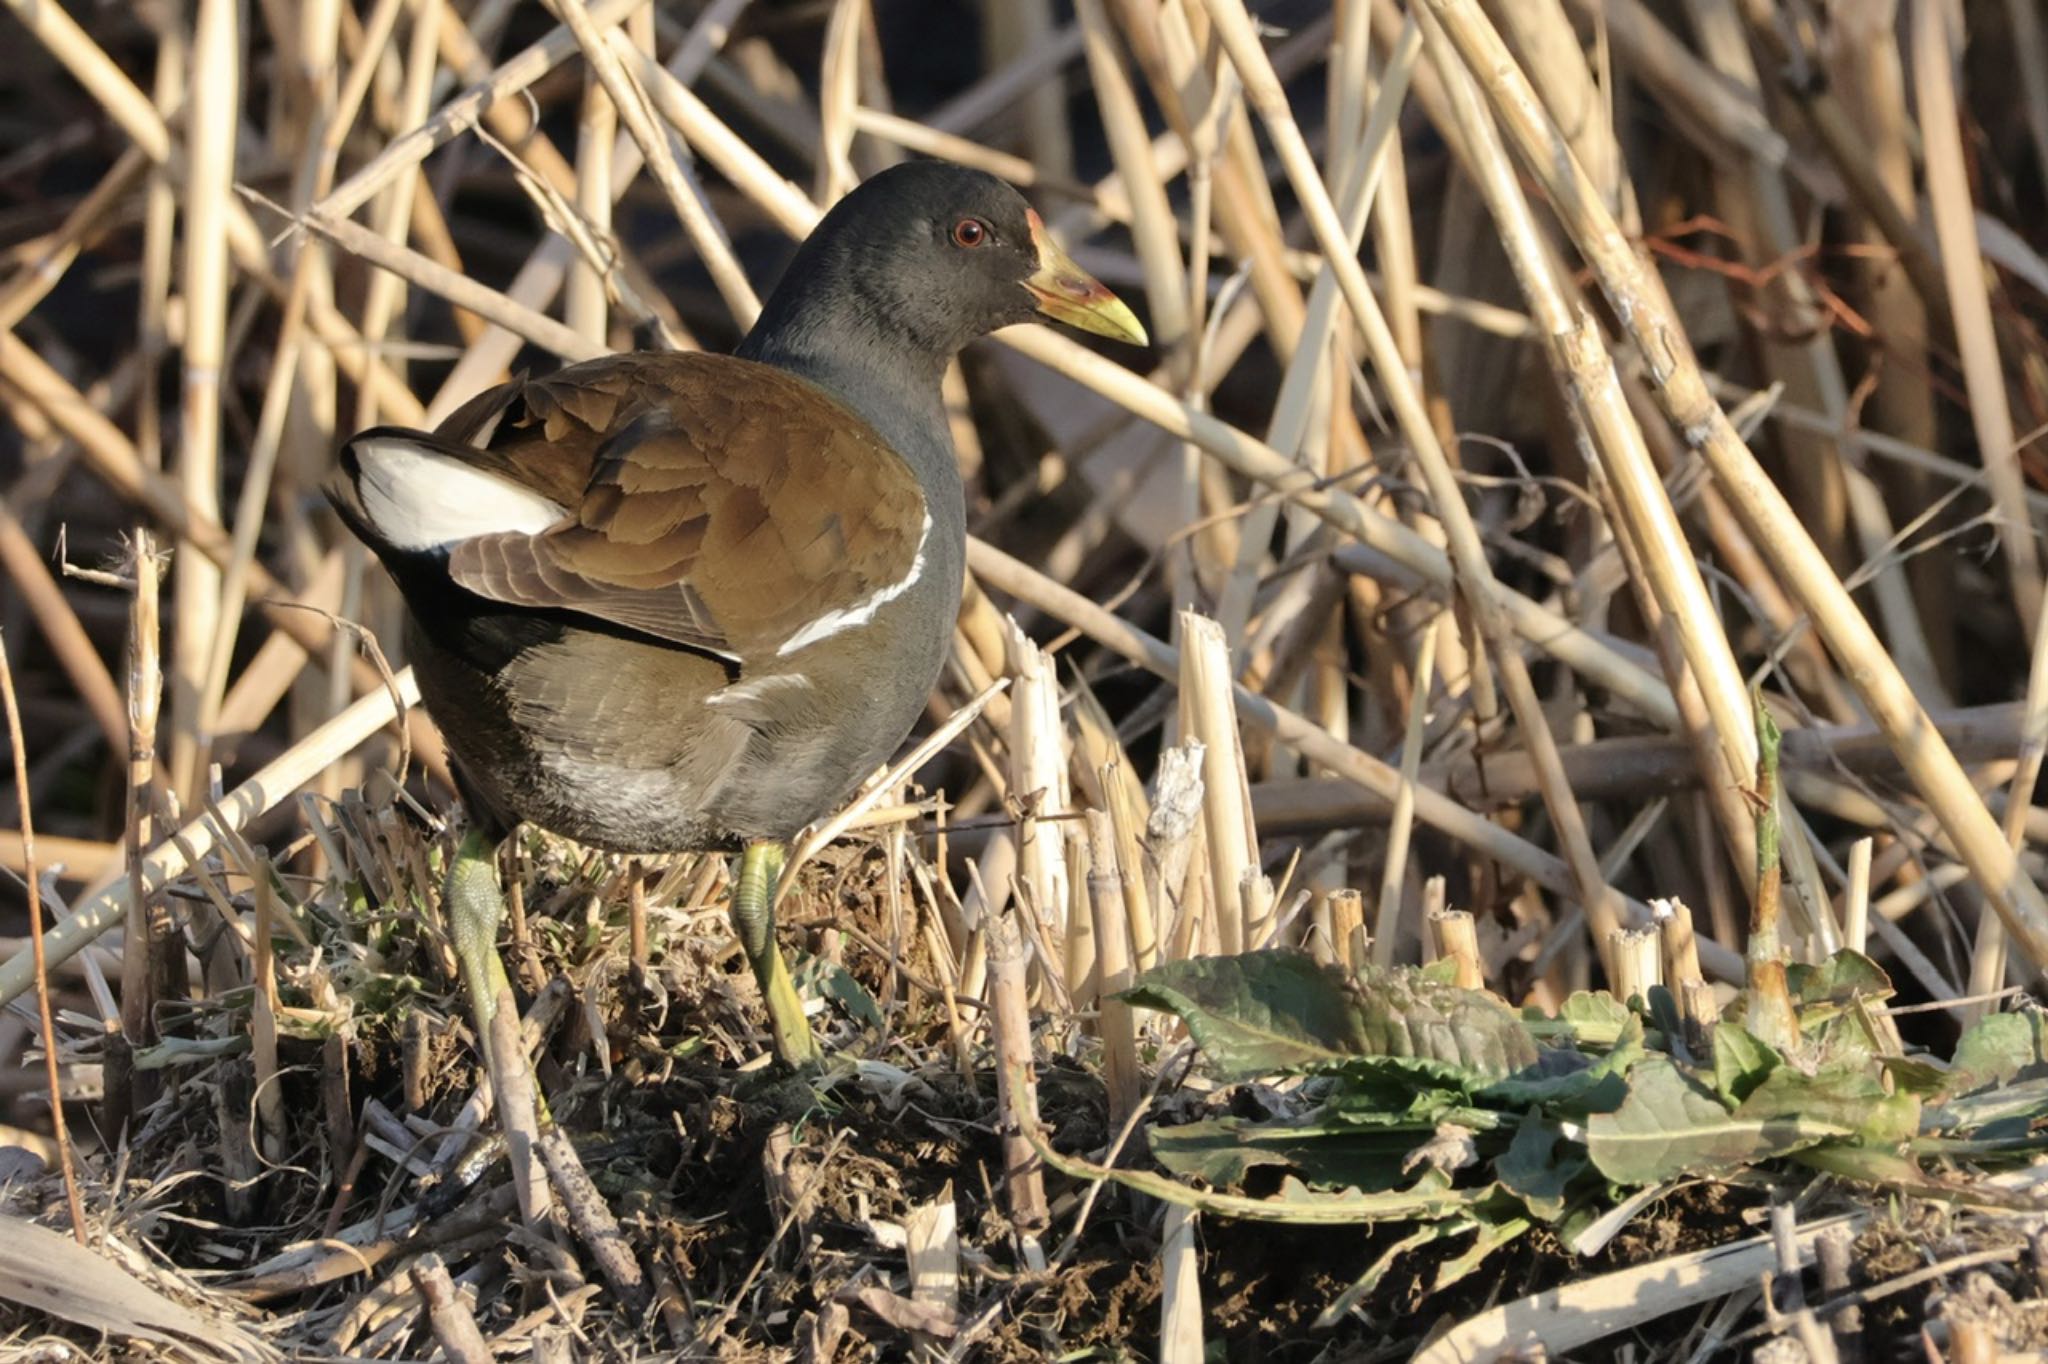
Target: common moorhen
{"points": [[668, 602]]}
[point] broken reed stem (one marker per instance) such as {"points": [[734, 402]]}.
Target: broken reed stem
{"points": [[1856, 899], [1348, 938], [153, 962], [1016, 1085], [455, 1328], [1394, 873], [1180, 1297], [1038, 781], [1769, 1012], [1635, 957], [39, 962], [1130, 867], [1457, 938], [592, 1221], [1106, 891], [1207, 715]]}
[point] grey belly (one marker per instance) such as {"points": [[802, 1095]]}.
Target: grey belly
{"points": [[630, 747]]}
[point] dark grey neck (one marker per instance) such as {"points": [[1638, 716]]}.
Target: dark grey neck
{"points": [[889, 380]]}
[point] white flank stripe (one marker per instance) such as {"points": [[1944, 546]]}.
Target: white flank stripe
{"points": [[862, 611], [420, 500]]}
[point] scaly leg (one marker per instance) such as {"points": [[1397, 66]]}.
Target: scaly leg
{"points": [[476, 905], [753, 918]]}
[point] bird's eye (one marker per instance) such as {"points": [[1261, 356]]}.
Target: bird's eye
{"points": [[970, 232]]}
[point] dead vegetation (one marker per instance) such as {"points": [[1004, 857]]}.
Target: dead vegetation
{"points": [[1351, 901]]}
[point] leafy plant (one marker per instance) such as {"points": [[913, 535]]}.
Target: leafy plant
{"points": [[1426, 1102]]}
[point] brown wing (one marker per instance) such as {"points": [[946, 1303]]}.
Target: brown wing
{"points": [[715, 502]]}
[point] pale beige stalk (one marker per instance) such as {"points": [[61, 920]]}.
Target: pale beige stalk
{"points": [[1683, 394]]}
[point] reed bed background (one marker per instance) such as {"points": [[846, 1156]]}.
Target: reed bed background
{"points": [[1542, 391]]}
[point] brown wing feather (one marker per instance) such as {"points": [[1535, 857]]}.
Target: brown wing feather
{"points": [[716, 502]]}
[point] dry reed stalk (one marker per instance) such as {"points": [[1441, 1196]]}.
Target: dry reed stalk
{"points": [[1457, 938], [1401, 824], [1081, 962], [1633, 959], [204, 284], [838, 97], [690, 210], [1016, 1085], [1311, 369], [1180, 1297], [1155, 232], [401, 262], [1856, 898], [1126, 817], [1955, 231], [1867, 72], [1107, 889], [1680, 945], [585, 308], [1692, 410], [392, 212], [38, 961], [153, 960], [1586, 376], [1037, 777], [1347, 928], [1988, 952], [1208, 716], [1354, 765], [448, 1313]]}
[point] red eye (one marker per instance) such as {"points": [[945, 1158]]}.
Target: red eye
{"points": [[970, 232]]}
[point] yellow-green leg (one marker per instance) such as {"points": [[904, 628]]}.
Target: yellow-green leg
{"points": [[753, 919], [476, 906]]}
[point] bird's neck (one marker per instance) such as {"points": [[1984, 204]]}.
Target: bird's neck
{"points": [[885, 376]]}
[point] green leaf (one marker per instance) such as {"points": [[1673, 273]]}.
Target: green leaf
{"points": [[1257, 1014], [1672, 1124], [1571, 1082], [2018, 1100], [1999, 1049], [1403, 1013], [1374, 1094], [1741, 1062], [1534, 1170], [1831, 985], [1222, 1151], [1267, 1012], [823, 976], [1587, 1018]]}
